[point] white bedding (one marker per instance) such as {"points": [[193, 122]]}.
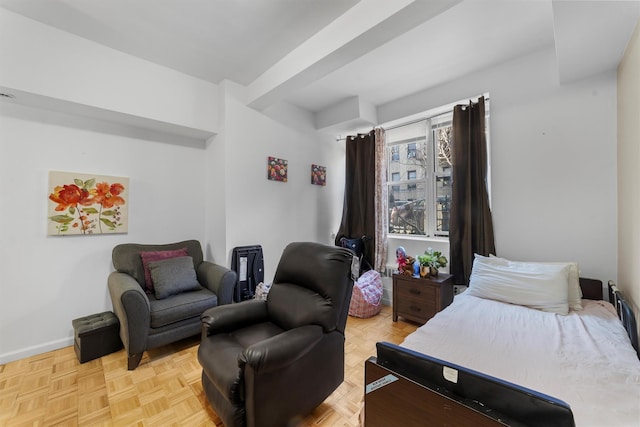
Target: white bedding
{"points": [[583, 358]]}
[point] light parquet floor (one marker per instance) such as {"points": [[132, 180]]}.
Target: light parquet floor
{"points": [[54, 389]]}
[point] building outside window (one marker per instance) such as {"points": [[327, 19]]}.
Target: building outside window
{"points": [[395, 154], [411, 175], [411, 150], [395, 176]]}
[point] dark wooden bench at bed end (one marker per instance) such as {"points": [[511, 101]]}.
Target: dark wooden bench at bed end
{"points": [[409, 389], [403, 402]]}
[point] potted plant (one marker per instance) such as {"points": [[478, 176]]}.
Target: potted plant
{"points": [[430, 262]]}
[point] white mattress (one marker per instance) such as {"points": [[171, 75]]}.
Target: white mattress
{"points": [[584, 358]]}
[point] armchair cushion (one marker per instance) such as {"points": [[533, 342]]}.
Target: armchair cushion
{"points": [[173, 276], [151, 256], [180, 307]]}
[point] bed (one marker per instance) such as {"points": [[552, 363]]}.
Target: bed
{"points": [[490, 359]]}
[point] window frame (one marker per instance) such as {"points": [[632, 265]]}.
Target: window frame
{"points": [[430, 178]]}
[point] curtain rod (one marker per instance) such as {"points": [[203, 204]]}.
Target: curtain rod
{"points": [[417, 121], [429, 117], [486, 98], [343, 138]]}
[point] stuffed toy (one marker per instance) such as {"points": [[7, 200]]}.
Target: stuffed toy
{"points": [[405, 263]]}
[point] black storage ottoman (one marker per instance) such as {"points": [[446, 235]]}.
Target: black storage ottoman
{"points": [[96, 335]]}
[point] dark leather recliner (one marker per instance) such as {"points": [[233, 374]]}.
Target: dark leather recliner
{"points": [[266, 363]]}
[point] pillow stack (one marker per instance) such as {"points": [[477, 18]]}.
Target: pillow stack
{"points": [[548, 286], [169, 272], [173, 276]]}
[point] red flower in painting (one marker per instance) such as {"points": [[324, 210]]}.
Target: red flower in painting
{"points": [[108, 195], [70, 196]]}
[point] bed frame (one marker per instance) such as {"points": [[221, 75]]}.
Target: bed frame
{"points": [[403, 387]]}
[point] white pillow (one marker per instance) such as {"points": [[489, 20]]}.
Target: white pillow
{"points": [[575, 291], [540, 286]]}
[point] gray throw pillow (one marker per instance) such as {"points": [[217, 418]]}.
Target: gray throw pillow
{"points": [[173, 276]]}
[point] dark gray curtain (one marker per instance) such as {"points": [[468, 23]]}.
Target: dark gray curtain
{"points": [[358, 212], [471, 225]]}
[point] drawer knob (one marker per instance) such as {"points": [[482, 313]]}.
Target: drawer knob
{"points": [[415, 291], [414, 308]]}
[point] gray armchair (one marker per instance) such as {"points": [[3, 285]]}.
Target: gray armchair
{"points": [[146, 321], [265, 363]]}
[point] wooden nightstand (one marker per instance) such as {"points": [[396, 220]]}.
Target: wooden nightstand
{"points": [[420, 299]]}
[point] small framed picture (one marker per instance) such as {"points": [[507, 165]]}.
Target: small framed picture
{"points": [[277, 169], [318, 175]]}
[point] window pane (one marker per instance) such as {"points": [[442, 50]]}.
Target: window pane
{"points": [[443, 204], [407, 209], [443, 147], [395, 153], [442, 138], [411, 175], [411, 150], [406, 133]]}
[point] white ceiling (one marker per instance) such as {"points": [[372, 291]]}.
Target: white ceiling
{"points": [[317, 53]]}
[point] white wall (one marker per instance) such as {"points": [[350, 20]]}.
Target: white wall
{"points": [[180, 188], [553, 164], [218, 195], [629, 172], [129, 118], [553, 160], [272, 213], [56, 65], [48, 281]]}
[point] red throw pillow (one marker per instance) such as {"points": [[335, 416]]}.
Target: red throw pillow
{"points": [[148, 257]]}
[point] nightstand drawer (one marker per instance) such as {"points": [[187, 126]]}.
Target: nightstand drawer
{"points": [[416, 290], [421, 309], [420, 299]]}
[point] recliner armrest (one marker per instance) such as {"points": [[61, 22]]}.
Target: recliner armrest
{"points": [[281, 350], [227, 318], [218, 279]]}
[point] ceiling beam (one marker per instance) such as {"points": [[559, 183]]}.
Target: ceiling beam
{"points": [[364, 27]]}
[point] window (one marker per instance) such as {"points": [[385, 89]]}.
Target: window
{"points": [[395, 153], [411, 150], [395, 176], [411, 175], [420, 196]]}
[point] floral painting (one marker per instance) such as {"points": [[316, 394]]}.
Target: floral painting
{"points": [[277, 169], [81, 204], [318, 175]]}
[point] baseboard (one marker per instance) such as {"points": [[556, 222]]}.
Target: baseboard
{"points": [[36, 349]]}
